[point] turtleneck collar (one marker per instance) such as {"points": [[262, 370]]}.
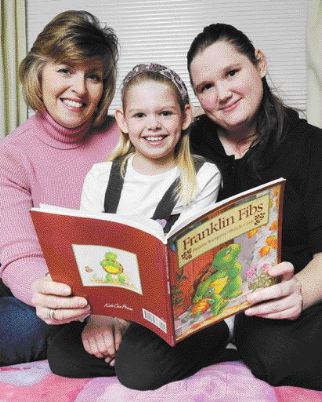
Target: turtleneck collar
{"points": [[57, 136]]}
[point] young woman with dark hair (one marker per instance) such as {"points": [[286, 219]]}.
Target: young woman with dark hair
{"points": [[253, 138]]}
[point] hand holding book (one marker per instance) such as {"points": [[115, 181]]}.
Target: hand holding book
{"points": [[283, 300], [175, 284], [49, 295]]}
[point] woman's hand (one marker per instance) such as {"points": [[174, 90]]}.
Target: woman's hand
{"points": [[281, 301], [54, 303], [102, 336]]}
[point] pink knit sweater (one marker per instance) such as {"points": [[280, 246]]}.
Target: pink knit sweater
{"points": [[40, 162]]}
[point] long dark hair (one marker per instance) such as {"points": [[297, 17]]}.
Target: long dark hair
{"points": [[271, 113]]}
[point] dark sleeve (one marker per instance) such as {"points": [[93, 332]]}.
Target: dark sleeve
{"points": [[313, 193]]}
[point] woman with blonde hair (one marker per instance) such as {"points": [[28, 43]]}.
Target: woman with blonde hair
{"points": [[68, 78]]}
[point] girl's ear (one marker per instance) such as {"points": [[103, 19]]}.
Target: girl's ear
{"points": [[187, 120], [261, 62], [120, 120]]}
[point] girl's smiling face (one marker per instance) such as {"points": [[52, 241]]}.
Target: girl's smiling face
{"points": [[228, 85], [71, 94], [153, 120]]}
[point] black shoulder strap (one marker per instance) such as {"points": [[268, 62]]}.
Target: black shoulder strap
{"points": [[165, 207], [167, 203], [198, 162], [114, 187]]}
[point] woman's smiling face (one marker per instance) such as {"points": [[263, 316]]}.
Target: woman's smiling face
{"points": [[71, 94], [228, 85]]}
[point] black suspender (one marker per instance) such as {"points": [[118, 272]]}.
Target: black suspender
{"points": [[164, 208], [114, 187]]}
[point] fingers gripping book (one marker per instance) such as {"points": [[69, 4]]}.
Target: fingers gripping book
{"points": [[174, 284]]}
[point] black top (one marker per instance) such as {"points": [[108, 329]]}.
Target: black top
{"points": [[298, 160]]}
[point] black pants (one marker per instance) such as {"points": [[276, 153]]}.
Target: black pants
{"points": [[143, 361], [283, 352], [280, 352]]}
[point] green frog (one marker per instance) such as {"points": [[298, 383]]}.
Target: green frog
{"points": [[225, 283], [113, 269]]}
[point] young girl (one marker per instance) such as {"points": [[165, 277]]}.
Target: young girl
{"points": [[153, 152], [152, 173]]}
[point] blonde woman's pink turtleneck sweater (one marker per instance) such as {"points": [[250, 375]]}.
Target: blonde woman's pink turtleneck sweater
{"points": [[40, 162]]}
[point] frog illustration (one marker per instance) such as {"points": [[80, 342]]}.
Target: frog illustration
{"points": [[225, 283], [113, 268]]}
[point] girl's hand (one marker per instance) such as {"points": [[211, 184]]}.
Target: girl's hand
{"points": [[54, 303], [102, 336], [281, 301]]}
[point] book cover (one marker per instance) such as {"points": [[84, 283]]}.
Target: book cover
{"points": [[218, 259], [174, 285]]}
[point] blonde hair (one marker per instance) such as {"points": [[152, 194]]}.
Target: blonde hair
{"points": [[187, 186], [71, 37]]}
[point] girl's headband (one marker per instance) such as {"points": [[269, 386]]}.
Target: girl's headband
{"points": [[162, 70]]}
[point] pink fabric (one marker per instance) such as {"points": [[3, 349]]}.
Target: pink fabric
{"points": [[40, 162], [225, 382]]}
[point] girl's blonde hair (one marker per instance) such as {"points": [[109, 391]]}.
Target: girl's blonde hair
{"points": [[72, 37], [187, 186]]}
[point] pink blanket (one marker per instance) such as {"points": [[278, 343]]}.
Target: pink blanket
{"points": [[225, 382]]}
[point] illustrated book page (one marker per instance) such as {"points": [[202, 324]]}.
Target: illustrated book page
{"points": [[217, 260], [176, 284]]}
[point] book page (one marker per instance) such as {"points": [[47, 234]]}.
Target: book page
{"points": [[212, 207], [121, 270], [217, 260], [140, 222]]}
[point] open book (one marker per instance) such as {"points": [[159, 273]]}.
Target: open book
{"points": [[174, 284]]}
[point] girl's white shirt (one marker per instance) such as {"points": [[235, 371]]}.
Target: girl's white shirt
{"points": [[142, 193]]}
